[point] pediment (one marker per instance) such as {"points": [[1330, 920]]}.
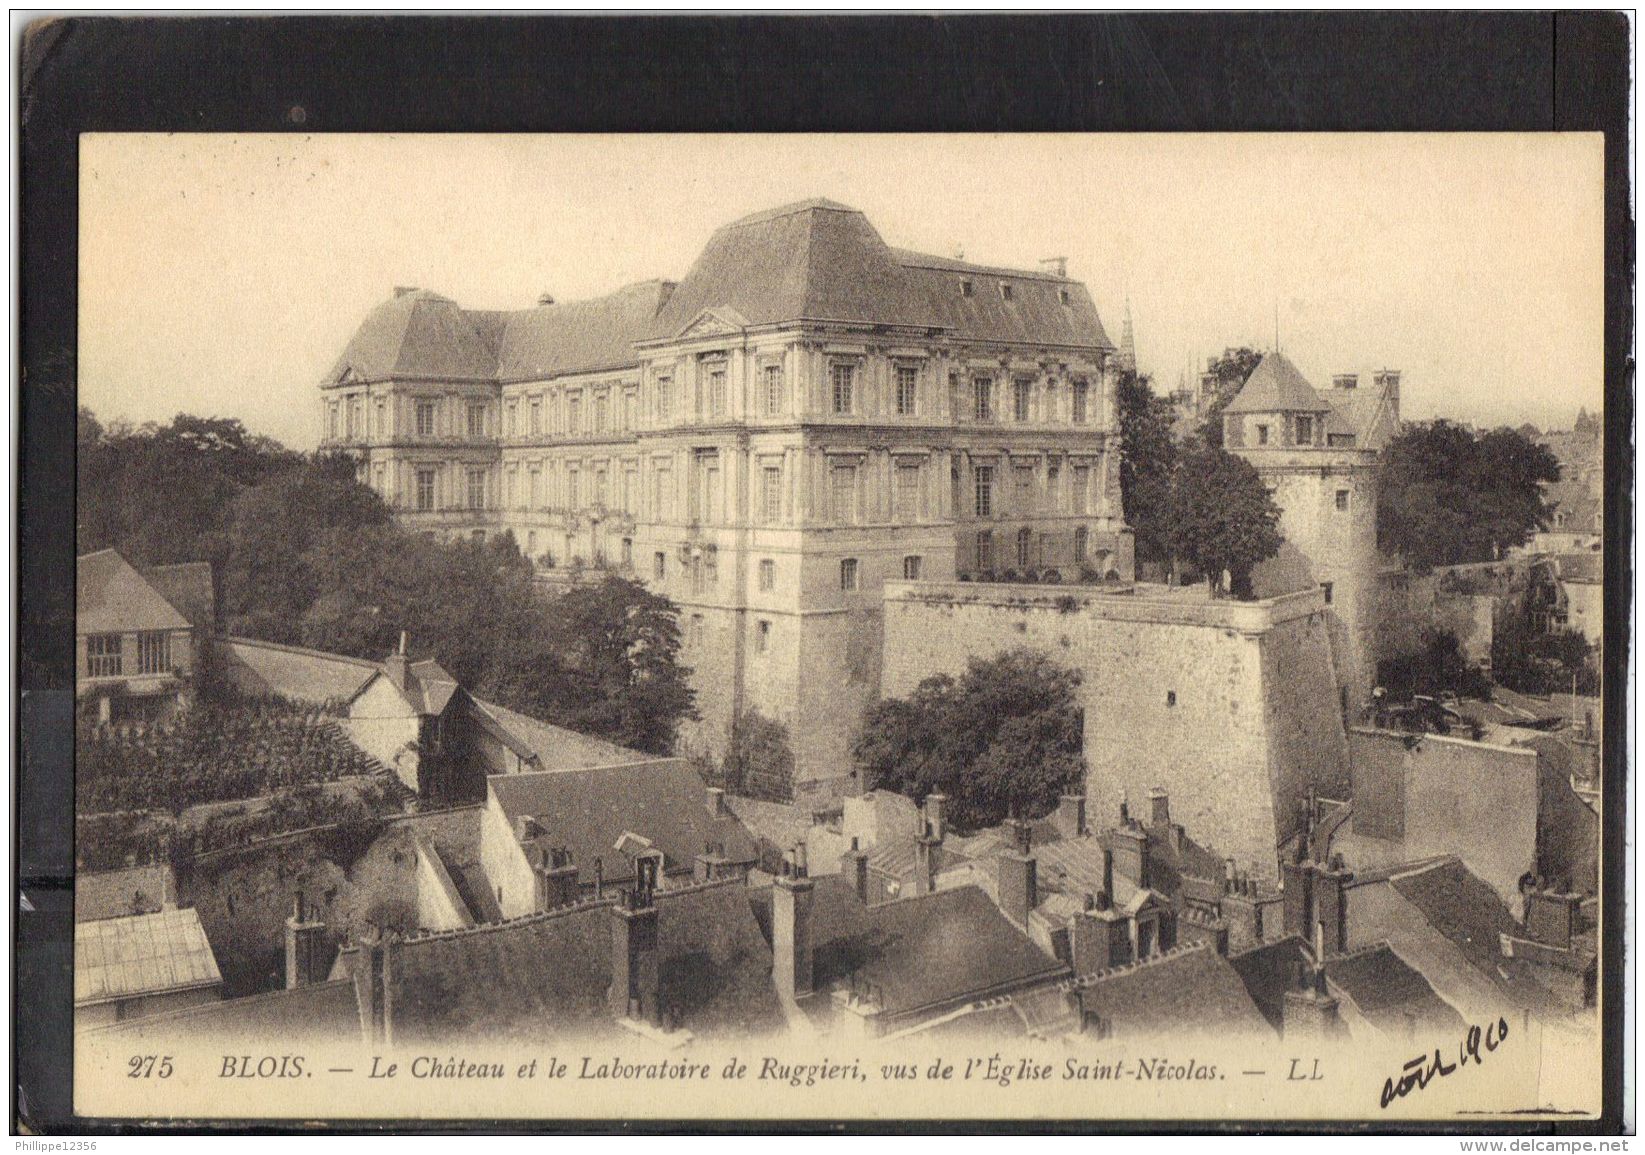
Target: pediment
{"points": [[712, 322]]}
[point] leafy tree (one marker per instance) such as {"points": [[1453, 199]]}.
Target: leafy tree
{"points": [[1005, 736], [759, 761], [1449, 496], [1436, 668], [1231, 370], [1534, 661], [1222, 518], [1148, 458]]}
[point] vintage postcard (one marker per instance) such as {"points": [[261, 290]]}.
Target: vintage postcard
{"points": [[880, 627]]}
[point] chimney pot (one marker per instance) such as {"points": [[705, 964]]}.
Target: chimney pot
{"points": [[1159, 806], [716, 801]]}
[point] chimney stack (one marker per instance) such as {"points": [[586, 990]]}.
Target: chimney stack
{"points": [[1310, 1011], [369, 964], [711, 864], [1551, 918], [555, 875], [305, 936], [398, 663], [1331, 907], [1019, 879], [1129, 846], [545, 298], [928, 846], [936, 815], [716, 802], [1297, 882], [635, 991], [1099, 937], [854, 866], [1056, 266], [1070, 815], [1345, 381], [791, 898], [1159, 809]]}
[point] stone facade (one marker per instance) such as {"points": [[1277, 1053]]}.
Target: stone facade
{"points": [[806, 416], [1230, 706]]}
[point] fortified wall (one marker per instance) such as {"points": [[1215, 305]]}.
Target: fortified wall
{"points": [[1231, 706]]}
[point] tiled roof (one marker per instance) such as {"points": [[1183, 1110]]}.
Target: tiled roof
{"points": [[1389, 993], [1192, 991], [316, 1014], [917, 952], [548, 974], [258, 667], [556, 747], [1462, 907], [110, 596], [188, 587], [115, 893], [1276, 385], [434, 686], [586, 811], [1268, 971], [1358, 413], [144, 954], [580, 336]]}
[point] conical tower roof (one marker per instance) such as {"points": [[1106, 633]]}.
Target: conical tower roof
{"points": [[1277, 386]]}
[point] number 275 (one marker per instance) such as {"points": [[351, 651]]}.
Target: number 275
{"points": [[149, 1066]]}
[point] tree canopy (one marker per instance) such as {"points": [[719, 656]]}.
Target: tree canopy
{"points": [[1449, 495], [305, 555], [1005, 736], [1231, 370], [1222, 518], [1148, 461]]}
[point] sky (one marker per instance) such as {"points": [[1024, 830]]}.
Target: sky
{"points": [[222, 275]]}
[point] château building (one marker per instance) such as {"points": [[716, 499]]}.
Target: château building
{"points": [[809, 413]]}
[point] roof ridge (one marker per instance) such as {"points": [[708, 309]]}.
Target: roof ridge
{"points": [[366, 663], [811, 204], [1091, 978], [916, 259]]}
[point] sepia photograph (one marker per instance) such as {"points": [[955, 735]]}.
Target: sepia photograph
{"points": [[1042, 626]]}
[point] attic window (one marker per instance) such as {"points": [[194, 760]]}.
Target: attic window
{"points": [[966, 289], [1005, 291], [1062, 295]]}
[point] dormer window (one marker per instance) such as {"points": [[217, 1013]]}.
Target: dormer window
{"points": [[1062, 295], [1305, 429], [1262, 435], [1005, 291], [966, 289]]}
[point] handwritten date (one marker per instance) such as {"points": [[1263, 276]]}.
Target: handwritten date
{"points": [[1424, 1069]]}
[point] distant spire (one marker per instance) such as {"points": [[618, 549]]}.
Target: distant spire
{"points": [[1128, 342]]}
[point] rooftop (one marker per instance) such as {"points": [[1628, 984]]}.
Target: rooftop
{"points": [[555, 747], [143, 954], [115, 893], [1187, 992], [316, 1014], [1276, 385], [110, 596]]}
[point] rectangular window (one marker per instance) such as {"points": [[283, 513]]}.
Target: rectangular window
{"points": [[535, 495], [1025, 547], [844, 492], [476, 420], [628, 409], [382, 419], [425, 490], [602, 489], [844, 378], [908, 494], [631, 485], [773, 390], [982, 389], [1053, 488], [574, 416], [153, 652], [628, 553], [103, 655], [768, 574], [425, 419], [1262, 435], [848, 574], [1082, 487], [1082, 541], [1082, 400], [1342, 499], [380, 484], [1005, 291], [659, 565], [660, 494], [1022, 499], [771, 494], [331, 421], [1305, 429], [1326, 587], [984, 475], [665, 397], [711, 566], [911, 567], [531, 543], [573, 489], [353, 419], [536, 416], [908, 389], [511, 418], [1023, 393], [716, 392], [762, 636], [985, 549], [602, 413], [476, 489]]}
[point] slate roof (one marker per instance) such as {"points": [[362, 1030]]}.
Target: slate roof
{"points": [[556, 747], [1268, 971], [586, 811], [918, 952], [1356, 412], [188, 587], [1187, 992], [113, 893], [427, 689], [547, 975], [143, 954], [417, 333], [1389, 993], [316, 1014], [1276, 385], [110, 596], [259, 667], [1462, 907], [580, 336]]}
